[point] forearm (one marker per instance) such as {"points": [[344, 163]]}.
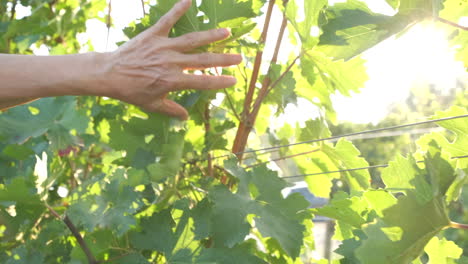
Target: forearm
{"points": [[23, 77]]}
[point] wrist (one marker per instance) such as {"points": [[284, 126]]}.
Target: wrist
{"points": [[99, 66]]}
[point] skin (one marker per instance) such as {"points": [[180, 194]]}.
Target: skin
{"points": [[141, 72]]}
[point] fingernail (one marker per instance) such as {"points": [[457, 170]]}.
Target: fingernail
{"points": [[233, 81], [239, 58], [224, 31]]}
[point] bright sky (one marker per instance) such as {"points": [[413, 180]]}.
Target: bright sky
{"points": [[421, 56]]}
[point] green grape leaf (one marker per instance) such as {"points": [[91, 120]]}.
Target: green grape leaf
{"points": [[201, 215], [401, 235], [442, 251], [238, 254], [423, 8], [311, 13], [351, 211], [19, 152], [462, 50], [403, 175], [348, 249], [353, 28], [190, 22], [454, 10], [25, 255], [114, 206], [227, 12], [340, 76], [229, 210], [283, 93], [134, 258], [347, 156], [22, 194], [170, 157], [259, 193], [156, 233], [314, 129], [223, 10], [459, 126], [55, 116], [454, 191]]}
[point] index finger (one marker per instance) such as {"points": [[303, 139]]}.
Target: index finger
{"points": [[165, 24]]}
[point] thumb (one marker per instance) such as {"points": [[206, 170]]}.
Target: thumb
{"points": [[168, 107]]}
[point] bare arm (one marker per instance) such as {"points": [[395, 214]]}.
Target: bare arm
{"points": [[25, 78], [141, 72]]}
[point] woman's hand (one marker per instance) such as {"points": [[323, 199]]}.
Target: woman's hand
{"points": [[148, 67]]}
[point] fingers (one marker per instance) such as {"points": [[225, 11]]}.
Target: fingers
{"points": [[205, 82], [194, 40], [165, 24], [206, 60], [168, 107]]}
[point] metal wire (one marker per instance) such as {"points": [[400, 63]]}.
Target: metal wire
{"points": [[368, 136], [344, 136], [354, 169]]}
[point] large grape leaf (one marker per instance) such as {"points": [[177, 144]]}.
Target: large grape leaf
{"points": [[402, 227], [454, 10], [229, 210], [213, 13], [401, 235], [114, 206], [347, 156], [218, 11], [322, 77], [258, 193], [353, 212], [425, 7], [403, 175], [353, 28], [462, 49], [239, 254], [454, 174], [48, 115], [161, 232], [283, 93], [311, 13], [459, 147], [340, 76], [22, 194], [156, 233]]}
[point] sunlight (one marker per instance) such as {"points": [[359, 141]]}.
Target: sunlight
{"points": [[422, 56]]}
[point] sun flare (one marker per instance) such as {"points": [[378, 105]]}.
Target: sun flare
{"points": [[421, 56]]}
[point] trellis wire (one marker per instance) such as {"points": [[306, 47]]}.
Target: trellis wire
{"points": [[354, 169], [380, 135], [344, 136]]}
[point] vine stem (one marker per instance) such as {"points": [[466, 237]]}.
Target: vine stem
{"points": [[108, 22], [76, 234], [13, 10], [243, 129], [453, 24], [250, 112], [143, 7], [206, 117], [458, 225]]}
